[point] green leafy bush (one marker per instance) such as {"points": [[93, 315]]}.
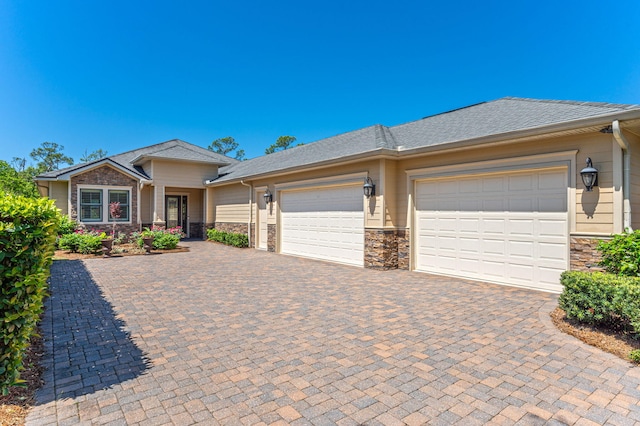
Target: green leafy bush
{"points": [[635, 355], [163, 239], [228, 238], [28, 228], [67, 225], [602, 299], [85, 242], [621, 254]]}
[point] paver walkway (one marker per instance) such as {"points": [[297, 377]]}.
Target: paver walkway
{"points": [[227, 336]]}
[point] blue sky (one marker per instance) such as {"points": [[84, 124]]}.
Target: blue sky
{"points": [[119, 75]]}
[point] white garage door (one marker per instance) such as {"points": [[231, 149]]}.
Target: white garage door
{"points": [[324, 223], [505, 228]]}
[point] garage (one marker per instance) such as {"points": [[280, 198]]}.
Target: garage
{"points": [[508, 228], [324, 223]]}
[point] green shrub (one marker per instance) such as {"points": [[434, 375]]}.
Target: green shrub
{"points": [[635, 355], [67, 225], [81, 242], [28, 228], [621, 254], [228, 238], [602, 299], [163, 239]]}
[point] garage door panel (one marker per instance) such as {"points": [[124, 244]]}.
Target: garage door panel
{"points": [[324, 223], [510, 228]]}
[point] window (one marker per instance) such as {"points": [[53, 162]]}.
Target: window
{"points": [[94, 203], [122, 197], [91, 205]]}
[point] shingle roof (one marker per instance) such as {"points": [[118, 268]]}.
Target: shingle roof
{"points": [[497, 117], [174, 149]]}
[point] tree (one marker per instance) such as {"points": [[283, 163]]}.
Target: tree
{"points": [[49, 157], [17, 183], [226, 145], [283, 142], [95, 155]]}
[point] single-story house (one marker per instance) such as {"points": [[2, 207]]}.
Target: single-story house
{"points": [[491, 192], [162, 184]]}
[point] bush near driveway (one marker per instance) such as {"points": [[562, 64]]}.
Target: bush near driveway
{"points": [[28, 228], [163, 239], [621, 255], [228, 238], [602, 299]]}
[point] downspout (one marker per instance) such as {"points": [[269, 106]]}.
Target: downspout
{"points": [[250, 209], [626, 174]]}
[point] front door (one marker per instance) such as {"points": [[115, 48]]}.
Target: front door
{"points": [[176, 213]]}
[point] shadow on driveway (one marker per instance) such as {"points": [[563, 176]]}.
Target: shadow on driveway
{"points": [[87, 346]]}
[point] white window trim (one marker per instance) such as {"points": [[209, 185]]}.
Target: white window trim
{"points": [[105, 203]]}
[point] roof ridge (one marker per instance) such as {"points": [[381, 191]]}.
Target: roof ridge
{"points": [[570, 102]]}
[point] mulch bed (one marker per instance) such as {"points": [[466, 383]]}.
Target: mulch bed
{"points": [[617, 343], [119, 250], [15, 406]]}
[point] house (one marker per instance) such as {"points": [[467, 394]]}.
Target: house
{"points": [[490, 192], [162, 185]]}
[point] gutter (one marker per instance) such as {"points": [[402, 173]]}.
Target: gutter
{"points": [[626, 174], [250, 209]]}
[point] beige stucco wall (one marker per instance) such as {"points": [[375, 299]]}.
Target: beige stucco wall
{"points": [[59, 192], [593, 211], [146, 201]]}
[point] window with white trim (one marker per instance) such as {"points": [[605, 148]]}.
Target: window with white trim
{"points": [[93, 204], [122, 197]]}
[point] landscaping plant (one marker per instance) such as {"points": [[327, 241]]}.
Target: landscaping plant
{"points": [[163, 239], [621, 254], [228, 238], [28, 228]]}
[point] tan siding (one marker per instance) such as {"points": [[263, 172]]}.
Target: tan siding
{"points": [[374, 208], [231, 203], [59, 191], [596, 146], [182, 174], [390, 194]]}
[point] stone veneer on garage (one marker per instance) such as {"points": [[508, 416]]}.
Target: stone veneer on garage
{"points": [[583, 254], [107, 176], [386, 249]]}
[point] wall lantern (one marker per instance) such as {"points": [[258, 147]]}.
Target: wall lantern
{"points": [[589, 175], [369, 188], [268, 198]]}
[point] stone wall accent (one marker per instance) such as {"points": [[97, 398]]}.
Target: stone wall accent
{"points": [[236, 228], [271, 237], [107, 176], [380, 249], [404, 248], [583, 254]]}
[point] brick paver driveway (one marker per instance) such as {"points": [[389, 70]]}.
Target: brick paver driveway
{"points": [[227, 336]]}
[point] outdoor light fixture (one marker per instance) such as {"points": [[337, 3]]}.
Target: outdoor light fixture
{"points": [[268, 198], [369, 188], [589, 175]]}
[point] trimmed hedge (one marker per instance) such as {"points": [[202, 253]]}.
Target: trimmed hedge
{"points": [[602, 299], [228, 238], [28, 228], [81, 242]]}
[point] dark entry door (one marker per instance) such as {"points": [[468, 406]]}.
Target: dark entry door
{"points": [[176, 214]]}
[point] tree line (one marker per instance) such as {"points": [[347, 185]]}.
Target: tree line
{"points": [[17, 177]]}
